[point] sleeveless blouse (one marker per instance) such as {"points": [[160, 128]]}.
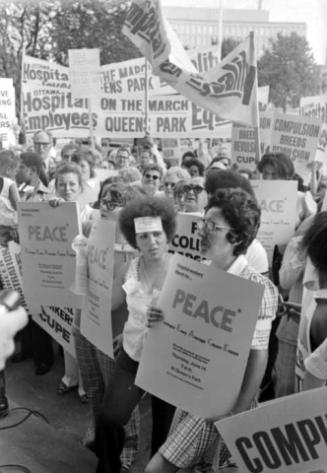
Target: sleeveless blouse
{"points": [[138, 300]]}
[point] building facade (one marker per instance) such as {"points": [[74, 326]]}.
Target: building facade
{"points": [[199, 27]]}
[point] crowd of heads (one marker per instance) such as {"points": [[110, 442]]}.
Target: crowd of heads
{"points": [[140, 172]]}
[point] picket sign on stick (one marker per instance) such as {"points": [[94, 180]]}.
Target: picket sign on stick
{"points": [[96, 317], [84, 66]]}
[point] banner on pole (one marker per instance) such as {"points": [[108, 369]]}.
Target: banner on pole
{"points": [[118, 112]]}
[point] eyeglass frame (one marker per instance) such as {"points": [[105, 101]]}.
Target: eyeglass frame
{"points": [[152, 177], [111, 204], [190, 187], [210, 225]]}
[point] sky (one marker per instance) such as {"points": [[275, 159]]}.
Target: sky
{"points": [[312, 12]]}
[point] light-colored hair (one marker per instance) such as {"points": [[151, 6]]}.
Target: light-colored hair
{"points": [[177, 171], [129, 175], [69, 168]]}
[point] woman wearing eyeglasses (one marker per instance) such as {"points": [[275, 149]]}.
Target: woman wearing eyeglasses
{"points": [[190, 195], [229, 226], [151, 179], [148, 224], [172, 177]]}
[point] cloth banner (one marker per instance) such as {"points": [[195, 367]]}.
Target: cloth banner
{"points": [[118, 112], [286, 435], [229, 90], [315, 107], [205, 338], [148, 29]]}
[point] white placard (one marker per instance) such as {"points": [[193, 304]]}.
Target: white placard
{"points": [[287, 435], [278, 201], [96, 315], [48, 260], [205, 338]]}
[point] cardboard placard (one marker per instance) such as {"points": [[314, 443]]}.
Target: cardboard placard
{"points": [[278, 201], [287, 435], [48, 260], [96, 314], [206, 335]]}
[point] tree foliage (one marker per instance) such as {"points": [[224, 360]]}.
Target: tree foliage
{"points": [[228, 45], [47, 29], [288, 67], [92, 24]]}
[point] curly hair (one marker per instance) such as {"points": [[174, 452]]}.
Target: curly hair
{"points": [[221, 179], [147, 207], [242, 213], [152, 167], [314, 241], [281, 163], [129, 175], [197, 163], [177, 171]]}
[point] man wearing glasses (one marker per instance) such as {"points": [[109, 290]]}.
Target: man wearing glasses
{"points": [[42, 142], [123, 158]]}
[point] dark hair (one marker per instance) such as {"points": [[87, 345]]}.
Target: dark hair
{"points": [[69, 168], [242, 212], [147, 207], [152, 167], [188, 154], [85, 154], [314, 241], [68, 147], [33, 160], [300, 183], [222, 179], [8, 158], [197, 163], [281, 163], [219, 158], [112, 180]]}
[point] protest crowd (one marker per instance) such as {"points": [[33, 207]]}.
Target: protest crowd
{"points": [[197, 279]]}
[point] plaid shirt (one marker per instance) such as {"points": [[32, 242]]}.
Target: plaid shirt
{"points": [[192, 440]]}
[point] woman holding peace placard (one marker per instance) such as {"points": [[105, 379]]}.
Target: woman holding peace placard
{"points": [[229, 226], [148, 224], [69, 187]]}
